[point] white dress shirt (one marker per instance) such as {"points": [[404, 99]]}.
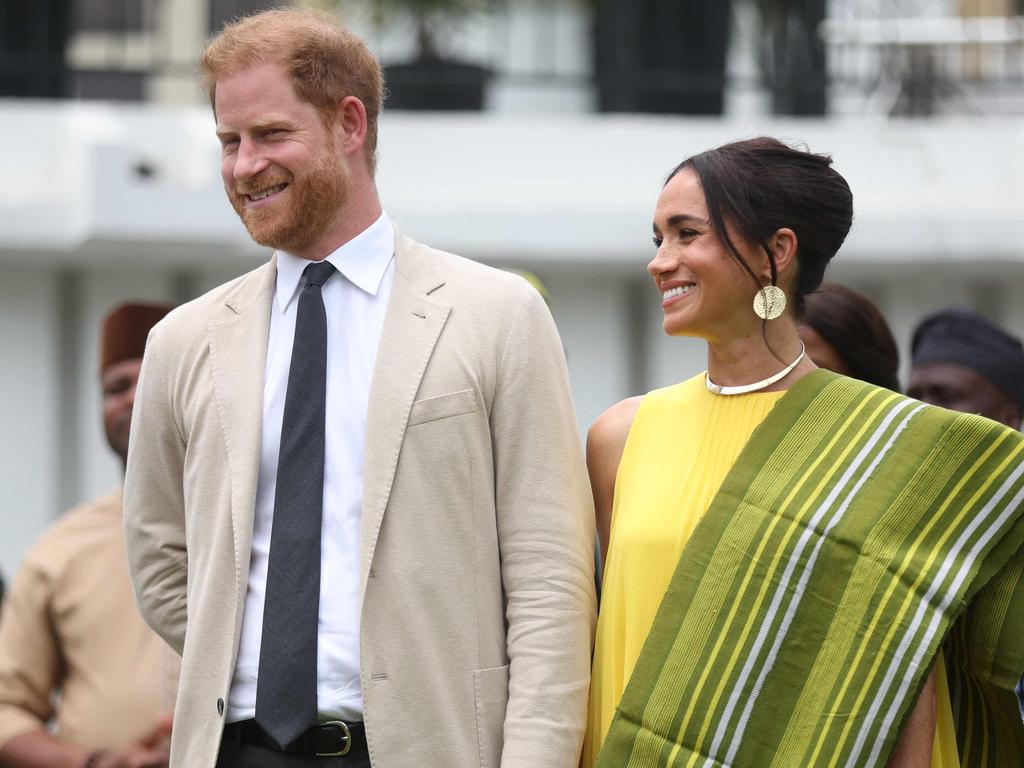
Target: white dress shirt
{"points": [[355, 299]]}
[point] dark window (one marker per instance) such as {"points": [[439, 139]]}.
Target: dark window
{"points": [[225, 10], [113, 15], [33, 35]]}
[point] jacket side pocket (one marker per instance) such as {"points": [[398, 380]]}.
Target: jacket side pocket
{"points": [[491, 689]]}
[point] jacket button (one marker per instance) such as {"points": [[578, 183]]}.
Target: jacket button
{"points": [[220, 706]]}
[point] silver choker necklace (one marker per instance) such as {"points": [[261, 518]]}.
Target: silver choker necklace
{"points": [[742, 389]]}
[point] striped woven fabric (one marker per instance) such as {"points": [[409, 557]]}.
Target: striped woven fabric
{"points": [[984, 656], [811, 600]]}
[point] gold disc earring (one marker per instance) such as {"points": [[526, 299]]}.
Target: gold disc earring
{"points": [[769, 302]]}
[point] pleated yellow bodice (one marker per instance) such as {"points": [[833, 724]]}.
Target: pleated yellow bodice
{"points": [[682, 444]]}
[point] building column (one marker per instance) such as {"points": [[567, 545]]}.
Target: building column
{"points": [[181, 32]]}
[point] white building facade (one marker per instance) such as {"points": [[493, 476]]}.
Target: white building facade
{"points": [[104, 202]]}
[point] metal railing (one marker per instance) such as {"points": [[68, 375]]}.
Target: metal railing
{"points": [[927, 66], [894, 66]]}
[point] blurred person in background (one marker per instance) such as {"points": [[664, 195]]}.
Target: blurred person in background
{"points": [[764, 521], [846, 333], [357, 501], [74, 652], [965, 362]]}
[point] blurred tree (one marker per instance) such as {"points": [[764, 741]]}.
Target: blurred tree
{"points": [[432, 79], [431, 18], [795, 55]]}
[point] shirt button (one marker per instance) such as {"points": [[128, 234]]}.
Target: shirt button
{"points": [[220, 706]]}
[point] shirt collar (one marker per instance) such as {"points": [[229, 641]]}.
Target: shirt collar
{"points": [[363, 260]]}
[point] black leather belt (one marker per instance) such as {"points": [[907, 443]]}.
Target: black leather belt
{"points": [[331, 739]]}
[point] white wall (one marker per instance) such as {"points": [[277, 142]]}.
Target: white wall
{"points": [[591, 316], [30, 467], [576, 189]]}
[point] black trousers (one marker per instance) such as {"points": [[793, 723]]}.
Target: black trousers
{"points": [[235, 755]]}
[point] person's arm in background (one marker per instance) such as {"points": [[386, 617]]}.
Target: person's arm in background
{"points": [[546, 538], [30, 671], [40, 749], [605, 442], [154, 504], [30, 674]]}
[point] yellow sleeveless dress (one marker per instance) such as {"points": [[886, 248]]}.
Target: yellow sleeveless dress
{"points": [[683, 442]]}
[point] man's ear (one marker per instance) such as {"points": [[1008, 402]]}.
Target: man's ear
{"points": [[351, 125]]}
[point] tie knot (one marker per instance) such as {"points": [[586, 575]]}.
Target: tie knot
{"points": [[318, 272]]}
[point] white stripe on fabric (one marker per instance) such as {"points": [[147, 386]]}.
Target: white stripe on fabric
{"points": [[947, 598], [787, 577]]}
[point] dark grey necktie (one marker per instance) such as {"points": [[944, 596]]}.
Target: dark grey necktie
{"points": [[286, 702]]}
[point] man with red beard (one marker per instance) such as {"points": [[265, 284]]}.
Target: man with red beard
{"points": [[356, 501]]}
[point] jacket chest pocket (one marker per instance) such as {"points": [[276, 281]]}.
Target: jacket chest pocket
{"points": [[446, 406]]}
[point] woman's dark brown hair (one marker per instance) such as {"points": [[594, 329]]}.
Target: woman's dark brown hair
{"points": [[854, 327], [761, 185]]}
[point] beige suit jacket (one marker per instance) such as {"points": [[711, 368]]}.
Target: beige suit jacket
{"points": [[476, 538]]}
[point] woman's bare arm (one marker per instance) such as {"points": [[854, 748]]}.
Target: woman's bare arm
{"points": [[605, 442], [914, 748]]}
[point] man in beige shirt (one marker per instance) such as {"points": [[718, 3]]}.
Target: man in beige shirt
{"points": [[74, 652]]}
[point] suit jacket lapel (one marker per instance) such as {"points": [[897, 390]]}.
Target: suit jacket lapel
{"points": [[412, 326], [238, 353]]}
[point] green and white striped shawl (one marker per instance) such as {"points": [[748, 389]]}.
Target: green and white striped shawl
{"points": [[808, 606]]}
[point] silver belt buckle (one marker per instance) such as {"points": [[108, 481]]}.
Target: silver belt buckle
{"points": [[345, 735]]}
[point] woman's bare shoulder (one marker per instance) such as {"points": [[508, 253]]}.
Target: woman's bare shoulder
{"points": [[607, 436]]}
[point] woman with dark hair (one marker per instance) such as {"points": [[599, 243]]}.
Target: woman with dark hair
{"points": [[787, 548], [845, 332]]}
